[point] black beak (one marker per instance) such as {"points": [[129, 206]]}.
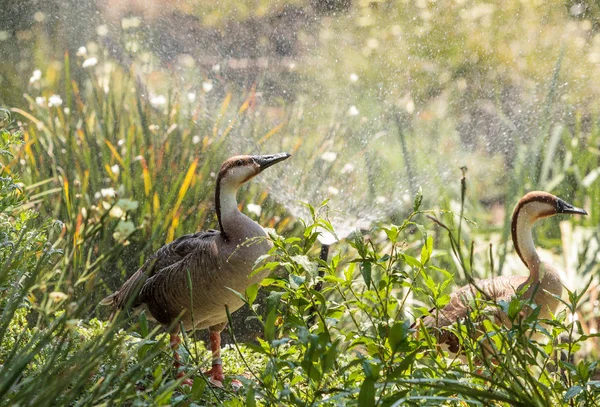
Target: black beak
{"points": [[265, 161], [564, 207]]}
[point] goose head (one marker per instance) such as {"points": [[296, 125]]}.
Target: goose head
{"points": [[532, 207], [537, 205], [238, 170]]}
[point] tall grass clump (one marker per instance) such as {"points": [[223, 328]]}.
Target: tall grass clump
{"points": [[51, 353]]}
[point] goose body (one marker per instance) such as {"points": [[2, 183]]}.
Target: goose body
{"points": [[543, 283], [215, 261]]}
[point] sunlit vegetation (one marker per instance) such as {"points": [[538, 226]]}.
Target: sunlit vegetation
{"points": [[109, 149]]}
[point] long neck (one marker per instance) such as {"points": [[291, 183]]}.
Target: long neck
{"points": [[234, 225], [521, 228]]}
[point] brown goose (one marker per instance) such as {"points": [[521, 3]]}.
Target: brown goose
{"points": [[215, 260], [543, 282]]}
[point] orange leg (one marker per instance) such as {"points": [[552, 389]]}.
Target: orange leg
{"points": [[216, 372], [174, 342]]}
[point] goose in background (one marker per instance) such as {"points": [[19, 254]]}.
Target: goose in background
{"points": [[543, 283], [215, 260]]}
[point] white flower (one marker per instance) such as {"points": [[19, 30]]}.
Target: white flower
{"points": [[333, 190], [40, 101], [54, 100], [39, 16], [372, 43], [115, 169], [329, 156], [102, 30], [347, 168], [133, 22], [89, 62], [81, 52], [107, 192], [255, 209], [191, 96], [577, 9], [158, 100], [353, 77], [353, 111], [116, 212], [37, 75], [381, 199], [195, 139], [207, 86]]}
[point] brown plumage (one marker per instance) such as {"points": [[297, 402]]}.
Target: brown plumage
{"points": [[216, 260], [543, 282]]}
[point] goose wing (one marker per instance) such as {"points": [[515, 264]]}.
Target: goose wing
{"points": [[160, 262], [496, 289]]}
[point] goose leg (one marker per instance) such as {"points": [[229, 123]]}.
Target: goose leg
{"points": [[216, 372], [175, 340]]}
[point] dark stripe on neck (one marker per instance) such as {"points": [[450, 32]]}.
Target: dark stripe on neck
{"points": [[513, 230], [528, 198], [218, 204]]}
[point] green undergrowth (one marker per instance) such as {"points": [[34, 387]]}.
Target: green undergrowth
{"points": [[349, 342]]}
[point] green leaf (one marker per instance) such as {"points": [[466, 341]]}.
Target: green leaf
{"points": [[296, 281], [198, 389], [366, 397], [426, 250], [418, 200], [305, 263], [365, 270], [430, 284], [392, 233], [411, 261], [158, 376], [572, 392], [359, 245], [240, 296], [251, 397], [143, 323], [398, 334], [404, 365], [274, 298], [251, 293], [270, 324], [328, 361]]}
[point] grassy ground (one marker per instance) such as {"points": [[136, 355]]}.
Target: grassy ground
{"points": [[373, 104]]}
